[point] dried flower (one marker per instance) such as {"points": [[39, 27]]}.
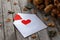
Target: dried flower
{"points": [[46, 19], [51, 24], [8, 20], [52, 33], [25, 9], [10, 12], [33, 36], [15, 3]]}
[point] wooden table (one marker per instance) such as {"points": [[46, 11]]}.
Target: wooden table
{"points": [[9, 32]]}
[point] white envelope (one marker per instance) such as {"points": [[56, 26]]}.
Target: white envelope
{"points": [[34, 24]]}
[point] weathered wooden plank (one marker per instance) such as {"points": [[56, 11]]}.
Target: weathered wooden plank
{"points": [[8, 26], [16, 9], [1, 23], [43, 34]]}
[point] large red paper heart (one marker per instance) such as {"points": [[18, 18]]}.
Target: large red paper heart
{"points": [[25, 22], [17, 17]]}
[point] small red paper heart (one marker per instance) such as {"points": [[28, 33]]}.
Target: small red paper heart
{"points": [[25, 22], [17, 17]]}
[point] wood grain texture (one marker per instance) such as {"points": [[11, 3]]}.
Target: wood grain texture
{"points": [[8, 26], [1, 22]]}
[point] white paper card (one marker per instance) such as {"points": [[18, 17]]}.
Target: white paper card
{"points": [[29, 24]]}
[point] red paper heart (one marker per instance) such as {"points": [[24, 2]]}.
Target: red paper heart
{"points": [[17, 17], [25, 22]]}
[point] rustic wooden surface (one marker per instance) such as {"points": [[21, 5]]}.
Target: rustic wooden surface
{"points": [[9, 32]]}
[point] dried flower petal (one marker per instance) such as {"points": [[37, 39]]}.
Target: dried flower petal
{"points": [[25, 9], [8, 20], [0, 24], [51, 24], [10, 12], [33, 36], [15, 3], [45, 18]]}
